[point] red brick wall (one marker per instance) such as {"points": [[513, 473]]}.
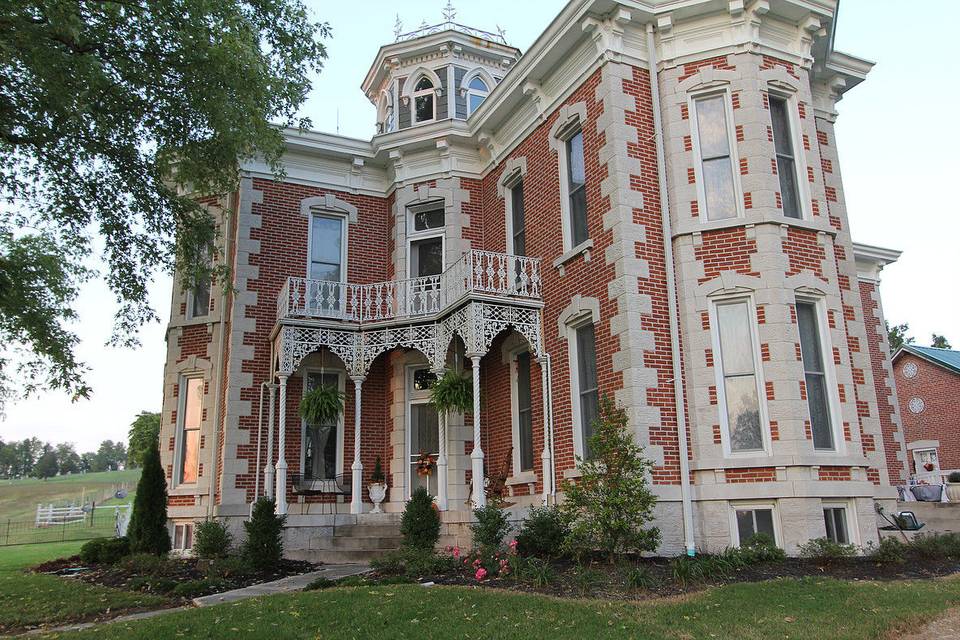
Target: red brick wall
{"points": [[543, 239], [878, 357], [939, 420], [803, 252], [750, 474], [726, 250]]}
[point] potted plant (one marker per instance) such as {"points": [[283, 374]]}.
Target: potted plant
{"points": [[322, 404], [377, 489], [928, 466], [452, 392], [953, 486]]}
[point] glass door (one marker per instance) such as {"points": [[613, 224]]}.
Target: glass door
{"points": [[326, 292], [423, 432], [320, 441]]}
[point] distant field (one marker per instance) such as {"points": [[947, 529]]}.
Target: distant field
{"points": [[19, 498]]}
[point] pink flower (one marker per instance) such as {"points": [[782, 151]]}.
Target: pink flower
{"points": [[481, 573], [513, 546], [456, 553]]}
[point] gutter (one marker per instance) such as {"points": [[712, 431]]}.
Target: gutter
{"points": [[687, 504]]}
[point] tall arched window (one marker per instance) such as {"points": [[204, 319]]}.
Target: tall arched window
{"points": [[423, 93], [477, 92]]}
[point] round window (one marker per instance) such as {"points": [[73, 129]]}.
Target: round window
{"points": [[910, 370], [915, 405]]}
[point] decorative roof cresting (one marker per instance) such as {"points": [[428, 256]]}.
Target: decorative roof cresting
{"points": [[449, 24]]}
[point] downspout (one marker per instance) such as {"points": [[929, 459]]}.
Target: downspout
{"points": [[217, 414], [686, 502], [256, 480]]}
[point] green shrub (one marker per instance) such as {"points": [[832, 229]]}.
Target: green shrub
{"points": [[587, 579], [889, 551], [936, 546], [686, 570], [538, 572], [211, 539], [232, 568], [610, 503], [822, 549], [105, 550], [420, 524], [194, 588], [143, 563], [490, 528], [542, 533], [413, 563], [148, 521], [263, 548], [761, 548], [641, 578], [954, 477]]}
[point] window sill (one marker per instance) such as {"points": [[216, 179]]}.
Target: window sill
{"points": [[755, 218], [584, 248], [187, 490], [572, 474], [524, 477]]}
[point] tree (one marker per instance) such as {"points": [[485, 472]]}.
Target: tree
{"points": [[609, 504], [46, 466], [88, 461], [939, 342], [67, 459], [109, 456], [148, 522], [144, 433], [114, 116], [27, 453], [897, 336], [263, 547]]}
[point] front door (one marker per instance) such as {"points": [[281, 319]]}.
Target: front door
{"points": [[423, 432]]}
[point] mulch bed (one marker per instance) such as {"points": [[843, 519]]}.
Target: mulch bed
{"points": [[177, 571], [608, 581]]}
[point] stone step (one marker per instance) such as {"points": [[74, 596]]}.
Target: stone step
{"points": [[361, 530], [336, 556], [356, 543]]}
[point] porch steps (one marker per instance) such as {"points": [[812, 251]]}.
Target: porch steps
{"points": [[360, 542]]}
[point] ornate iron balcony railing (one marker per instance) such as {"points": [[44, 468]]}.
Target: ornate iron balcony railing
{"points": [[483, 272]]}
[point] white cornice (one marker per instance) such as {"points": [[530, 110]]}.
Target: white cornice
{"points": [[871, 260]]}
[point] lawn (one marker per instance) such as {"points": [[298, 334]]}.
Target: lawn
{"points": [[19, 498], [787, 608], [29, 600]]}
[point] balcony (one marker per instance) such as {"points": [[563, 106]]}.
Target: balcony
{"points": [[477, 274]]}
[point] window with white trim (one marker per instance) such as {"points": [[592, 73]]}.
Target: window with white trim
{"points": [[423, 100], [753, 520], [327, 244], [717, 185], [739, 388], [477, 92], [577, 189], [783, 141], [835, 521], [523, 406], [198, 297], [189, 418], [425, 231], [588, 400], [814, 375], [183, 536]]}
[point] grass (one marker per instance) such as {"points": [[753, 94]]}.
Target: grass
{"points": [[19, 498], [28, 600], [787, 608]]}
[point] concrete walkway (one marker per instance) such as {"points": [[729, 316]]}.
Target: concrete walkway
{"points": [[945, 627], [284, 585]]}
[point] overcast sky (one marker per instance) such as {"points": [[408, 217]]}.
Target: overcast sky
{"points": [[897, 132]]}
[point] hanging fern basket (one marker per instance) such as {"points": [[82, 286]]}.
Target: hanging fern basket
{"points": [[452, 392], [323, 404]]}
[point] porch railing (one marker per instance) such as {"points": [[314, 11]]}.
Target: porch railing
{"points": [[477, 271]]}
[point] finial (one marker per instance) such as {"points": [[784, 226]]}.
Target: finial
{"points": [[502, 33], [423, 24], [449, 13], [397, 28]]}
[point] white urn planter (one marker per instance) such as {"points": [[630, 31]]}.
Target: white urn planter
{"points": [[378, 492]]}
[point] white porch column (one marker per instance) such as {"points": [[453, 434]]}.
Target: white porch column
{"points": [[282, 449], [545, 457], [442, 502], [269, 470], [356, 486], [476, 457]]}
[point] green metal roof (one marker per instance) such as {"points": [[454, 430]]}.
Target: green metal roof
{"points": [[947, 358]]}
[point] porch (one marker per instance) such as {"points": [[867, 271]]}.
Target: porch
{"points": [[382, 332]]}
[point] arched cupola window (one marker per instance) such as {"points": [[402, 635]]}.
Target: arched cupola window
{"points": [[423, 100], [477, 92]]}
